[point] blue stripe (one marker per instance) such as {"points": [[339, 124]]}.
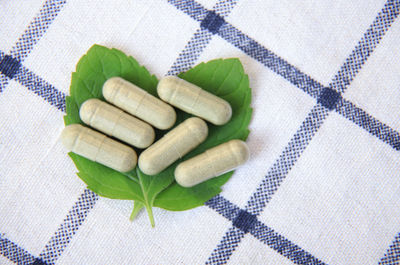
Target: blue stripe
{"points": [[282, 245], [9, 66], [392, 255], [232, 238], [15, 253], [287, 159], [191, 8], [3, 82], [202, 36], [223, 207], [77, 215], [226, 247], [355, 114], [191, 52], [36, 29], [3, 79], [329, 98], [41, 88], [212, 22], [366, 45], [269, 59], [246, 222], [224, 8]]}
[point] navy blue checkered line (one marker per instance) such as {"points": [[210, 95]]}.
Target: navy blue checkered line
{"points": [[40, 87], [191, 52], [34, 83], [191, 8], [3, 78], [8, 67], [282, 166], [202, 36], [196, 11], [368, 123], [16, 253], [305, 82], [392, 255], [327, 100], [366, 45], [36, 29], [76, 216], [245, 222], [266, 57]]}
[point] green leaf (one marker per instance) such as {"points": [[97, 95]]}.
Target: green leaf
{"points": [[224, 78]]}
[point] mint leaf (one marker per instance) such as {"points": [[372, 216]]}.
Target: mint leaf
{"points": [[224, 78]]}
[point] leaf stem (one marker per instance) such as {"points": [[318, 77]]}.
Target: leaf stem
{"points": [[137, 206], [150, 213]]}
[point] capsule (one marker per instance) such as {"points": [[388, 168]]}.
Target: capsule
{"points": [[213, 162], [114, 122], [194, 100], [174, 145], [139, 103], [98, 148]]}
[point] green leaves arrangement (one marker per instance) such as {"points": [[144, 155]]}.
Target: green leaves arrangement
{"points": [[224, 78]]}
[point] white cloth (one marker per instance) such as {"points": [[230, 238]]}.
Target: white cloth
{"points": [[322, 185]]}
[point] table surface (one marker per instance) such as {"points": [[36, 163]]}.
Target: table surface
{"points": [[322, 185]]}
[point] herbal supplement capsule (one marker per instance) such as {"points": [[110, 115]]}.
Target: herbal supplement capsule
{"points": [[98, 148], [213, 162], [114, 122], [174, 145], [194, 100], [139, 103]]}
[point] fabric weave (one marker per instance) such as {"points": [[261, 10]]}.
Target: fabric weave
{"points": [[323, 181]]}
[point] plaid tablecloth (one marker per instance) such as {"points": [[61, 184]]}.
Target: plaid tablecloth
{"points": [[323, 182]]}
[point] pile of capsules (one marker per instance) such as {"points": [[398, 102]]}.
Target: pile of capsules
{"points": [[135, 130]]}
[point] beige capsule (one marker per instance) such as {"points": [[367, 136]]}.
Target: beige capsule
{"points": [[139, 103], [213, 162], [194, 100], [114, 122], [98, 148], [174, 145]]}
